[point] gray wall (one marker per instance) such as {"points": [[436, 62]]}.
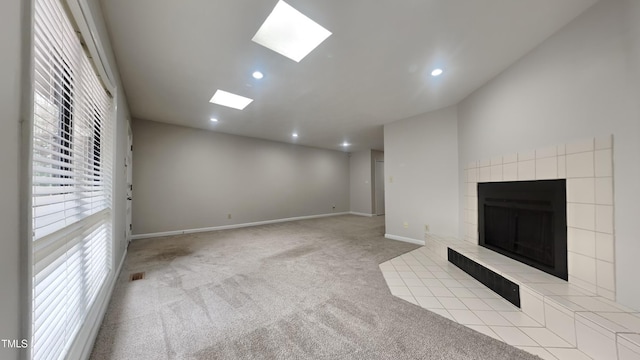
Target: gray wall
{"points": [[376, 155], [582, 82], [421, 155], [360, 178], [11, 303], [186, 178]]}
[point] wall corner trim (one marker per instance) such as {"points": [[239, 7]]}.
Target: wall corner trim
{"points": [[404, 239], [361, 214], [233, 226]]}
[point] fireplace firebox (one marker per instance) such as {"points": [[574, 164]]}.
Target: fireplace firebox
{"points": [[526, 221]]}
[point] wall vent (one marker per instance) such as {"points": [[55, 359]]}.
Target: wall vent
{"points": [[136, 276], [502, 286]]}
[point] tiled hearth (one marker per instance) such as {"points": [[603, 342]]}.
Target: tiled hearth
{"points": [[558, 320], [587, 166]]}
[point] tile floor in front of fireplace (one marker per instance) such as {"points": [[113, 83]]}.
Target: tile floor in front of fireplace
{"points": [[434, 284]]}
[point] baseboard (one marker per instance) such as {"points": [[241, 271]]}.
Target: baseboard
{"points": [[361, 214], [405, 239], [234, 226], [83, 345]]}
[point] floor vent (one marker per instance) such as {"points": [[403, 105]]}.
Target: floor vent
{"points": [[136, 276], [498, 283]]}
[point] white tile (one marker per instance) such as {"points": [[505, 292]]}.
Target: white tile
{"points": [[518, 318], [604, 190], [429, 302], [476, 304], [492, 318], [442, 312], [485, 162], [408, 298], [562, 167], [603, 163], [582, 267], [461, 292], [472, 190], [593, 343], [513, 336], [581, 241], [581, 190], [604, 142], [465, 317], [511, 158], [560, 323], [550, 151], [605, 275], [496, 160], [626, 353], [604, 247], [484, 293], [496, 173], [539, 351], [547, 168], [485, 174], [627, 320], [451, 303], [451, 283], [568, 354], [424, 275], [510, 172], [531, 304], [545, 337], [472, 165], [526, 155], [405, 275], [580, 165], [607, 294], [413, 283], [420, 291], [431, 282], [580, 146], [400, 290], [390, 274], [472, 175], [501, 305], [604, 219], [582, 216], [395, 282], [484, 330], [526, 170], [402, 268], [441, 291]]}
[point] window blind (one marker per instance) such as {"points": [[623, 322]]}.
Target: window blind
{"points": [[71, 183]]}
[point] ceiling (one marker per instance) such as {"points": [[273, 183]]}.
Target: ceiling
{"points": [[374, 69]]}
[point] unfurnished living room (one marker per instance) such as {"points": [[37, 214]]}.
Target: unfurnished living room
{"points": [[304, 179]]}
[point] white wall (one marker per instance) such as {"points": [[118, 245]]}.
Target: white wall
{"points": [[11, 303], [376, 155], [421, 155], [186, 178], [360, 182], [581, 82]]}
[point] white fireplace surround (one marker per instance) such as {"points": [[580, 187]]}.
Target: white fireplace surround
{"points": [[588, 167]]}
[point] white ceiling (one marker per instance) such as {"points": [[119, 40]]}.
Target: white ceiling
{"points": [[374, 69]]}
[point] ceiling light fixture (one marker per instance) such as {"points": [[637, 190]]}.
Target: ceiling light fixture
{"points": [[290, 33], [436, 72], [214, 119], [257, 75], [230, 100], [295, 135], [345, 144]]}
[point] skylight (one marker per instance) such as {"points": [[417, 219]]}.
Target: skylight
{"points": [[290, 33], [230, 100]]}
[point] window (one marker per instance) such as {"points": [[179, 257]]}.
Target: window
{"points": [[71, 183]]}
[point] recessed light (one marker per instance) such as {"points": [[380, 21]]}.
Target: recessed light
{"points": [[295, 135], [230, 100], [257, 75], [214, 119], [436, 72], [345, 144], [290, 33]]}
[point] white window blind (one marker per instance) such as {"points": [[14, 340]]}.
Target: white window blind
{"points": [[71, 184]]}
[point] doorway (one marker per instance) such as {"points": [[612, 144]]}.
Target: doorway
{"points": [[378, 184]]}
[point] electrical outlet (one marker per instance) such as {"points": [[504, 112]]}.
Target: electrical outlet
{"points": [[406, 225], [228, 216]]}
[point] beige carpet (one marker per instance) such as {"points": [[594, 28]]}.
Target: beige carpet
{"points": [[300, 290]]}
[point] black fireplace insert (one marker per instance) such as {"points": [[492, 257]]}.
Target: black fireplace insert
{"points": [[526, 221]]}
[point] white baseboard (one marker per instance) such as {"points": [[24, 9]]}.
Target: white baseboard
{"points": [[234, 226], [86, 338], [361, 214], [405, 239]]}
